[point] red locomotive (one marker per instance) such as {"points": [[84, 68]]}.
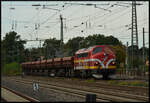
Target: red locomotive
{"points": [[99, 59]]}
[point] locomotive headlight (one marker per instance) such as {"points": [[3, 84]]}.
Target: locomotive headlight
{"points": [[96, 63], [113, 62]]}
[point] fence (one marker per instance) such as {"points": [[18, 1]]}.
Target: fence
{"points": [[132, 73]]}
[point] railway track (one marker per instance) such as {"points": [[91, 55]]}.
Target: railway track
{"points": [[101, 94], [9, 95], [143, 91]]}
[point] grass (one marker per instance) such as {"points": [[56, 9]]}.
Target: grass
{"points": [[129, 83], [90, 80], [11, 69]]}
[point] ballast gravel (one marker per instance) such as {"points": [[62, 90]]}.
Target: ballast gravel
{"points": [[42, 94]]}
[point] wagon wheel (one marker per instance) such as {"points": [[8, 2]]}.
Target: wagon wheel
{"points": [[52, 73]]}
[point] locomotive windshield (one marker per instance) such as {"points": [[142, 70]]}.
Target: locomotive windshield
{"points": [[82, 55], [97, 50]]}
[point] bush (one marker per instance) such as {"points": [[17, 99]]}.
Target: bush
{"points": [[11, 69], [147, 69]]}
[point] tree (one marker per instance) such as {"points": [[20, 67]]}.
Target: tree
{"points": [[3, 55], [137, 56], [99, 39], [73, 45], [52, 48], [120, 53], [13, 47]]}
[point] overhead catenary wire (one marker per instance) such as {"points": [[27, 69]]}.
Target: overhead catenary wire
{"points": [[52, 26], [40, 24], [82, 22], [87, 20], [111, 19], [97, 17], [120, 15], [50, 18]]}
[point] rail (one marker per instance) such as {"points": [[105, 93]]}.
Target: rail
{"points": [[101, 95], [22, 97]]}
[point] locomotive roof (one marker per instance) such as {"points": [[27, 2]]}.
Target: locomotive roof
{"points": [[84, 50]]}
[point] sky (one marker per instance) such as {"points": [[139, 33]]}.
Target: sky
{"points": [[107, 18]]}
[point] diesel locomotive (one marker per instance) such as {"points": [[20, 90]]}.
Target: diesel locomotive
{"points": [[87, 62]]}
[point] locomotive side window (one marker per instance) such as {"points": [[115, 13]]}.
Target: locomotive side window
{"points": [[82, 55], [97, 50]]}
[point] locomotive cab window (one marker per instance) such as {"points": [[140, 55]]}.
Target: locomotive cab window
{"points": [[97, 50]]}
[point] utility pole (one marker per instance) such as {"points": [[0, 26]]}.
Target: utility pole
{"points": [[61, 29], [61, 34], [127, 57], [40, 50], [134, 34], [18, 54], [144, 50], [46, 52]]}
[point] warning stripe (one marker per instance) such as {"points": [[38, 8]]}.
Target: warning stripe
{"points": [[93, 67], [101, 63]]}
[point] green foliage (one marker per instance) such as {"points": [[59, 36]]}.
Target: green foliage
{"points": [[147, 69], [51, 48], [98, 39], [120, 54], [12, 48], [33, 54], [73, 45], [137, 61], [137, 56], [11, 69], [77, 43]]}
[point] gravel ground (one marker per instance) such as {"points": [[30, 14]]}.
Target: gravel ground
{"points": [[43, 95], [53, 96]]}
